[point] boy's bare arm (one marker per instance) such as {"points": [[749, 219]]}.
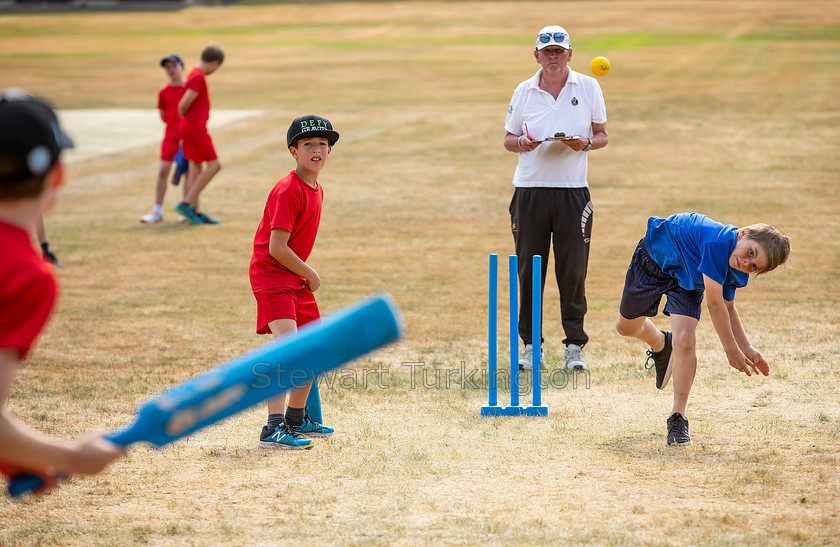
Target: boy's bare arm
{"points": [[278, 246], [721, 321], [754, 358], [186, 101], [737, 327]]}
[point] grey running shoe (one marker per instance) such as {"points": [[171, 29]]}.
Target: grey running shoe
{"points": [[527, 358], [574, 358]]}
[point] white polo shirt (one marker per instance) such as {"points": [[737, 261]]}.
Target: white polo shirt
{"points": [[553, 164]]}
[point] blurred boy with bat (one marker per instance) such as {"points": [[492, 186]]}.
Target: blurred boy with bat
{"points": [[31, 175]]}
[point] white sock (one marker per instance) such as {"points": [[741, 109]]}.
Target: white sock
{"points": [[158, 209]]}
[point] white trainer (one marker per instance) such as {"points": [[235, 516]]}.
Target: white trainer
{"points": [[574, 358], [152, 218], [527, 357]]}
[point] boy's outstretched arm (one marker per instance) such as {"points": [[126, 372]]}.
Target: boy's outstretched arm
{"points": [[754, 358], [723, 326], [30, 450]]}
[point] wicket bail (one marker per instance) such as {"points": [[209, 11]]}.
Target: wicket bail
{"points": [[492, 408]]}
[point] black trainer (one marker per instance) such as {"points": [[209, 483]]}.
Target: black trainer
{"points": [[50, 257], [662, 361], [678, 432]]}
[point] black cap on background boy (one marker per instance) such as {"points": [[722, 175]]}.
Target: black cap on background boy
{"points": [[172, 58]]}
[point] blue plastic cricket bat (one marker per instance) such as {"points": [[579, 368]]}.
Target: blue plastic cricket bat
{"points": [[254, 377]]}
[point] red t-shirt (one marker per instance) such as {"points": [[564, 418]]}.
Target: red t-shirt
{"points": [[168, 98], [28, 290], [295, 206], [199, 111]]}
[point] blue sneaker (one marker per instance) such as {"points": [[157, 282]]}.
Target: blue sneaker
{"points": [[284, 438], [207, 220], [312, 429], [186, 210]]}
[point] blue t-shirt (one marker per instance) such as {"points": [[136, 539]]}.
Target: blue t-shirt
{"points": [[688, 245]]}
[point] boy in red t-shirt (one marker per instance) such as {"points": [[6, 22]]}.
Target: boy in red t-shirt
{"points": [[194, 109], [168, 98], [282, 281], [31, 175]]}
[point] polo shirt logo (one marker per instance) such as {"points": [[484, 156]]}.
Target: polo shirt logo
{"points": [[574, 101]]}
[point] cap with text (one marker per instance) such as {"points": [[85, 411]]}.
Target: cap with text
{"points": [[309, 126]]}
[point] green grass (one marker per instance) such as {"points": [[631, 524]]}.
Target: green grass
{"points": [[830, 33], [630, 41]]}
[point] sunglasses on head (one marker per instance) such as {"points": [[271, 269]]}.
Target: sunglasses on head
{"points": [[557, 36]]}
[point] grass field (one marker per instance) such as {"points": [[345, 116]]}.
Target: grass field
{"points": [[727, 108]]}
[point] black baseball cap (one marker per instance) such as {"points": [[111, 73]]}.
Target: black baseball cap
{"points": [[174, 58], [31, 139], [311, 126]]}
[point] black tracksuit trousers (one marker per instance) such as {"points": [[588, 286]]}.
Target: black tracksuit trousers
{"points": [[538, 215]]}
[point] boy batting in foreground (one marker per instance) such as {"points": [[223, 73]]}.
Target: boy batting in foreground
{"points": [[31, 175], [685, 257]]}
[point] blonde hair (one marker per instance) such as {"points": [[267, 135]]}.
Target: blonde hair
{"points": [[775, 244]]}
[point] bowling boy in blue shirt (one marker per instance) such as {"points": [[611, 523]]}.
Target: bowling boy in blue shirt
{"points": [[684, 257]]}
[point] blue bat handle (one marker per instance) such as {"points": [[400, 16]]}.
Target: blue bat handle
{"points": [[21, 484], [27, 482]]}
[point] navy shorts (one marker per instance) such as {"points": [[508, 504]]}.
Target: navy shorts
{"points": [[646, 283]]}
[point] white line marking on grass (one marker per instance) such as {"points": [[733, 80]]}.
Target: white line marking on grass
{"points": [[98, 132]]}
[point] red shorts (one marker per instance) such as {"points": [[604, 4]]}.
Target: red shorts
{"points": [[198, 146], [169, 147], [285, 303]]}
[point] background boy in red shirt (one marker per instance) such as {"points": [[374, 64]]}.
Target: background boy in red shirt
{"points": [[31, 175], [282, 281], [169, 97], [194, 109]]}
